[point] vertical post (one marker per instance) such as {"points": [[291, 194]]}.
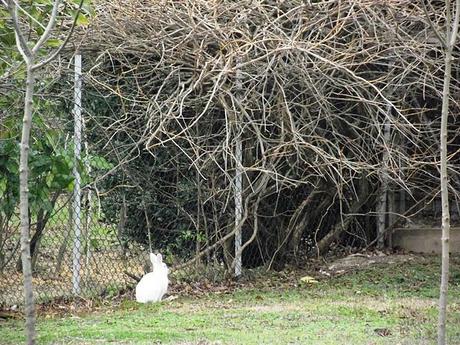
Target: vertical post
{"points": [[198, 219], [238, 206], [238, 177], [76, 215], [382, 204], [402, 192], [391, 200]]}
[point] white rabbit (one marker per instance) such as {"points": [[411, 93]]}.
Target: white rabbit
{"points": [[153, 285]]}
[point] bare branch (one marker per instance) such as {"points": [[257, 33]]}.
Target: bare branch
{"points": [[20, 39], [49, 28], [53, 55], [438, 34], [455, 25]]}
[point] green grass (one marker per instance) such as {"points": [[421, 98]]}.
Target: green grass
{"points": [[392, 304]]}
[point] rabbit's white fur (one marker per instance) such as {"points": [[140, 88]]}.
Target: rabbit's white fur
{"points": [[153, 285]]}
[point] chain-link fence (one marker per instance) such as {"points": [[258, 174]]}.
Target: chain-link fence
{"points": [[221, 143], [64, 264], [75, 248], [92, 221]]}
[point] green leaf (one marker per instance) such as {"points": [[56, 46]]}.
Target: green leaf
{"points": [[82, 20], [98, 162], [51, 140], [47, 205], [49, 180], [54, 43], [12, 167], [3, 185], [71, 186], [39, 164]]}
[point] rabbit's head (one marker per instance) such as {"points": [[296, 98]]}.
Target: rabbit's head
{"points": [[158, 264], [153, 259]]}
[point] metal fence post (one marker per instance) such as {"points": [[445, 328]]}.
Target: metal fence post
{"points": [[238, 178]]}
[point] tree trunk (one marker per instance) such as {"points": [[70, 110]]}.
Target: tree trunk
{"points": [[339, 228], [444, 201], [299, 221], [445, 208], [41, 221], [451, 36], [343, 223], [35, 241], [63, 247], [24, 208], [29, 55]]}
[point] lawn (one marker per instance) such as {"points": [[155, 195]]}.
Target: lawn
{"points": [[383, 304]]}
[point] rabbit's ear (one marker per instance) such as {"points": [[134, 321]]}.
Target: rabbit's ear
{"points": [[159, 258]]}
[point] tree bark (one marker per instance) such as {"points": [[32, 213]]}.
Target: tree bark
{"points": [[29, 54], [24, 208], [444, 201], [445, 205], [41, 221], [35, 241], [300, 219], [343, 224], [339, 228], [63, 246], [451, 36]]}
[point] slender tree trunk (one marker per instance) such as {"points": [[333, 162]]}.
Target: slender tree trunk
{"points": [[35, 240], [449, 43], [444, 202], [341, 226], [29, 54], [24, 208], [63, 247]]}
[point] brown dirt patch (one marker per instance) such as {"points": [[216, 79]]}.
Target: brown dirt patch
{"points": [[359, 261]]}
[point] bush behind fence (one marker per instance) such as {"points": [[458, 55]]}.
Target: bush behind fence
{"points": [[102, 260]]}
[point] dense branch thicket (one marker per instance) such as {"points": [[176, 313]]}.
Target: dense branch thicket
{"points": [[317, 83]]}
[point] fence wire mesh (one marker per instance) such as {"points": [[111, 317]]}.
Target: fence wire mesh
{"points": [[102, 262], [176, 124], [75, 249]]}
